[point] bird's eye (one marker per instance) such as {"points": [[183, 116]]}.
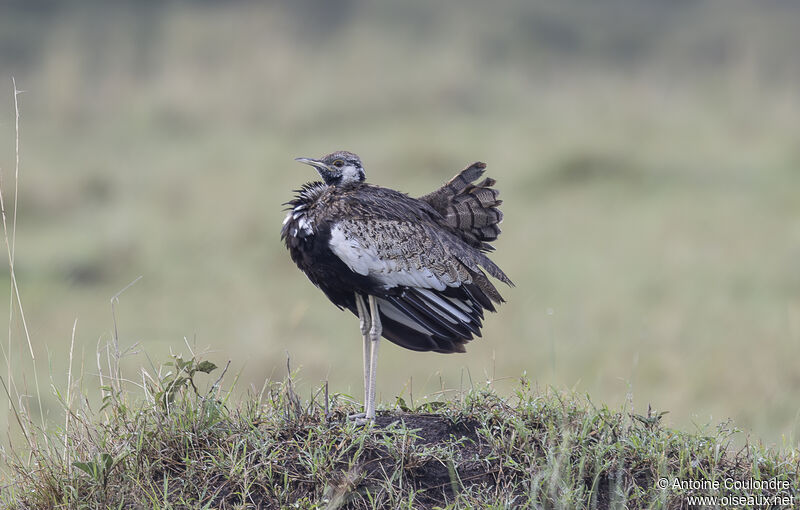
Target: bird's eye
{"points": [[338, 163]]}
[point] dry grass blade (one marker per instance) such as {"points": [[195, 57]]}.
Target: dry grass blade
{"points": [[9, 236]]}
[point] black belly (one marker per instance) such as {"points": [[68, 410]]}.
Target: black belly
{"points": [[313, 256]]}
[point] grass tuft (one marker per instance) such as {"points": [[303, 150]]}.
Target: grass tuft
{"points": [[180, 447]]}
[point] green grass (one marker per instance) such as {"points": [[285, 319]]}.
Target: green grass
{"points": [[177, 446]]}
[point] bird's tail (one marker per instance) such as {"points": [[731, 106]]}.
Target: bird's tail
{"points": [[470, 209]]}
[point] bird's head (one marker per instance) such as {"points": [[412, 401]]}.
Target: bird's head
{"points": [[338, 168]]}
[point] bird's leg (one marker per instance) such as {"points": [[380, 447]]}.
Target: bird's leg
{"points": [[375, 332], [364, 323]]}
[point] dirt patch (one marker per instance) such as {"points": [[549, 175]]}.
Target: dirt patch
{"points": [[432, 428], [442, 458]]}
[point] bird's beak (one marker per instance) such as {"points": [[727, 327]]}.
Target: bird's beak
{"points": [[319, 165]]}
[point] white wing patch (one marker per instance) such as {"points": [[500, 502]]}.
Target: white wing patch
{"points": [[362, 257]]}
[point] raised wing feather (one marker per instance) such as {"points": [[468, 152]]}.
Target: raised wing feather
{"points": [[471, 209]]}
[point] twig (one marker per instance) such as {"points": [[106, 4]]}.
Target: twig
{"points": [[16, 414], [219, 379], [114, 300], [10, 248], [10, 245], [327, 406], [69, 399]]}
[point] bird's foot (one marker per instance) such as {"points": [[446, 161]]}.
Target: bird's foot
{"points": [[360, 418]]}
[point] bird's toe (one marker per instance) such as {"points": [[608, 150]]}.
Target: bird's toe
{"points": [[360, 419]]}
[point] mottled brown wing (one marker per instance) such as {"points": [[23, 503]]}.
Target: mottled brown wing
{"points": [[430, 287], [472, 210]]}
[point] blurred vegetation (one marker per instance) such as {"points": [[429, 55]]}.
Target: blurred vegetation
{"points": [[647, 153]]}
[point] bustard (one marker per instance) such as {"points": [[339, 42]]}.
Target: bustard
{"points": [[411, 269]]}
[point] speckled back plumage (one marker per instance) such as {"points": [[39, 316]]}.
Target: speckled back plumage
{"points": [[422, 257]]}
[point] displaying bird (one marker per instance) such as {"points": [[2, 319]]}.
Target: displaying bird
{"points": [[411, 269]]}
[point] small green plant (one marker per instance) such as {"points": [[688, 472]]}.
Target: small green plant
{"points": [[652, 419], [97, 469], [168, 385]]}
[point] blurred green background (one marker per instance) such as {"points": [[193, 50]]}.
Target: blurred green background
{"points": [[648, 153]]}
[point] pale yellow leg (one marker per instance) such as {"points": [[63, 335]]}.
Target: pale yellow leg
{"points": [[374, 338], [364, 322]]}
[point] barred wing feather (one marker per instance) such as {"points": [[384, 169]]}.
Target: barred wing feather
{"points": [[432, 294]]}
